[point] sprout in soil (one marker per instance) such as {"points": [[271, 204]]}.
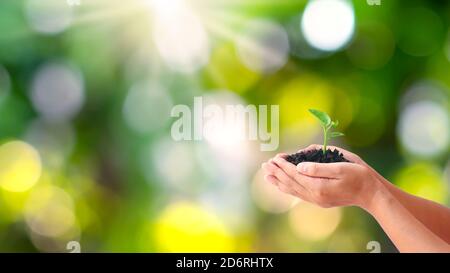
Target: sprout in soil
{"points": [[320, 155], [327, 124]]}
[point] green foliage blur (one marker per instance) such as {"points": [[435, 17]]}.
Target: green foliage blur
{"points": [[87, 88]]}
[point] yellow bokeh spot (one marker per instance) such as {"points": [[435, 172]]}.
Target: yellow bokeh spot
{"points": [[13, 203], [20, 166], [424, 180], [226, 71], [296, 97], [312, 223], [187, 227], [50, 211]]}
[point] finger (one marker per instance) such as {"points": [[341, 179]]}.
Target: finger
{"points": [[309, 183], [321, 170], [278, 173], [288, 168], [271, 179], [288, 190], [280, 155], [290, 176], [273, 162], [299, 190], [269, 168], [282, 177], [303, 185]]}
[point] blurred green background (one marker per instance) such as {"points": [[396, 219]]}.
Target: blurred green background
{"points": [[87, 86]]}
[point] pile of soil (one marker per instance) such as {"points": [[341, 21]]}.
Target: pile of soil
{"points": [[317, 156]]}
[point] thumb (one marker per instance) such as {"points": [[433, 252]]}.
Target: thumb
{"points": [[322, 170]]}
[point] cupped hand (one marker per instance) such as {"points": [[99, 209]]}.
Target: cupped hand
{"points": [[324, 184], [348, 155]]}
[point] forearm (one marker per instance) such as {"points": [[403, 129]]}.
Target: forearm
{"points": [[433, 215], [406, 232]]}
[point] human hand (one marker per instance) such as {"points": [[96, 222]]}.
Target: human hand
{"points": [[324, 184], [351, 157]]}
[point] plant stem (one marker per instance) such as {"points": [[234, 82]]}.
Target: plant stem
{"points": [[325, 139]]}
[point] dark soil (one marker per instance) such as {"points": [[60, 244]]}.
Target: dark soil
{"points": [[317, 156]]}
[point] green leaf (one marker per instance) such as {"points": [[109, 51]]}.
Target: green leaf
{"points": [[323, 117], [336, 134], [335, 124]]}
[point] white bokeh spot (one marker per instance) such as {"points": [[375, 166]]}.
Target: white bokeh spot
{"points": [[328, 25]]}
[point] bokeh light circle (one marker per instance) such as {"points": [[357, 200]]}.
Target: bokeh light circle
{"points": [[312, 223], [20, 166], [425, 90], [166, 155], [57, 91], [424, 180], [328, 25], [263, 46], [225, 131], [49, 16], [227, 71], [269, 198], [424, 128], [188, 227], [298, 44], [147, 107], [50, 212]]}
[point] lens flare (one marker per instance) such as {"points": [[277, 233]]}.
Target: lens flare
{"points": [[227, 132], [263, 46], [180, 36]]}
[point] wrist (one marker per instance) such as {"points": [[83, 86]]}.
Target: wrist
{"points": [[374, 195]]}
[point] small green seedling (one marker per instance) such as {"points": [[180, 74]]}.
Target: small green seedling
{"points": [[327, 124]]}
